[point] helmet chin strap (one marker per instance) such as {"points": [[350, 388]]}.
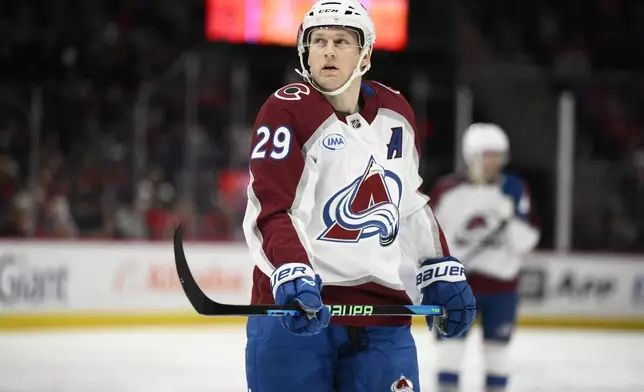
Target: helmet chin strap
{"points": [[356, 72]]}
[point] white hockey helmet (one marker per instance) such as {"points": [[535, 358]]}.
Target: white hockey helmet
{"points": [[484, 137], [349, 14]]}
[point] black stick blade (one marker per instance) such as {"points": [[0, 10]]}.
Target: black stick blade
{"points": [[197, 298], [207, 307]]}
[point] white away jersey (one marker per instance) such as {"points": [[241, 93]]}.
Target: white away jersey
{"points": [[339, 193], [471, 216]]}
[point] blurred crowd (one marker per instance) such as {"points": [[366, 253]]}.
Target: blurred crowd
{"points": [[575, 40], [73, 72], [593, 49], [89, 150]]}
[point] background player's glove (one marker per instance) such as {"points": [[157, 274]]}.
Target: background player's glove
{"points": [[442, 282], [296, 283]]}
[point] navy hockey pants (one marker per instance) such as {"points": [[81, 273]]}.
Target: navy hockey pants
{"points": [[498, 315], [278, 361]]}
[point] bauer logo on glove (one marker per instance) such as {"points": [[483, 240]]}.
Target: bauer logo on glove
{"points": [[298, 284], [446, 271], [443, 282], [290, 272]]}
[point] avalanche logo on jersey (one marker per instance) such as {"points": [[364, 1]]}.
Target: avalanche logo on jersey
{"points": [[475, 228], [366, 207]]}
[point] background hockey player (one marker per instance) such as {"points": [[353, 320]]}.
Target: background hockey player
{"points": [[333, 200], [486, 215]]}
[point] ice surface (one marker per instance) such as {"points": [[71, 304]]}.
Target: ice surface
{"points": [[212, 359]]}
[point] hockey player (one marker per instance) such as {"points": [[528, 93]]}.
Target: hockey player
{"points": [[487, 218], [333, 210]]}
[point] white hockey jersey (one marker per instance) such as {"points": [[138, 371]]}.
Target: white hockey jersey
{"points": [[339, 193], [488, 227]]}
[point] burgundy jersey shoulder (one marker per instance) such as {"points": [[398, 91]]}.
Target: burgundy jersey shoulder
{"points": [[300, 106], [394, 100]]}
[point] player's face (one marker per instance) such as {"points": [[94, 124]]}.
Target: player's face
{"points": [[333, 55], [492, 162]]}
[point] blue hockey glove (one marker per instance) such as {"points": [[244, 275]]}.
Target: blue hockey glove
{"points": [[442, 282], [296, 283]]}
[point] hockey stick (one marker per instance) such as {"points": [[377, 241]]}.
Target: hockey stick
{"points": [[482, 244], [207, 307]]}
